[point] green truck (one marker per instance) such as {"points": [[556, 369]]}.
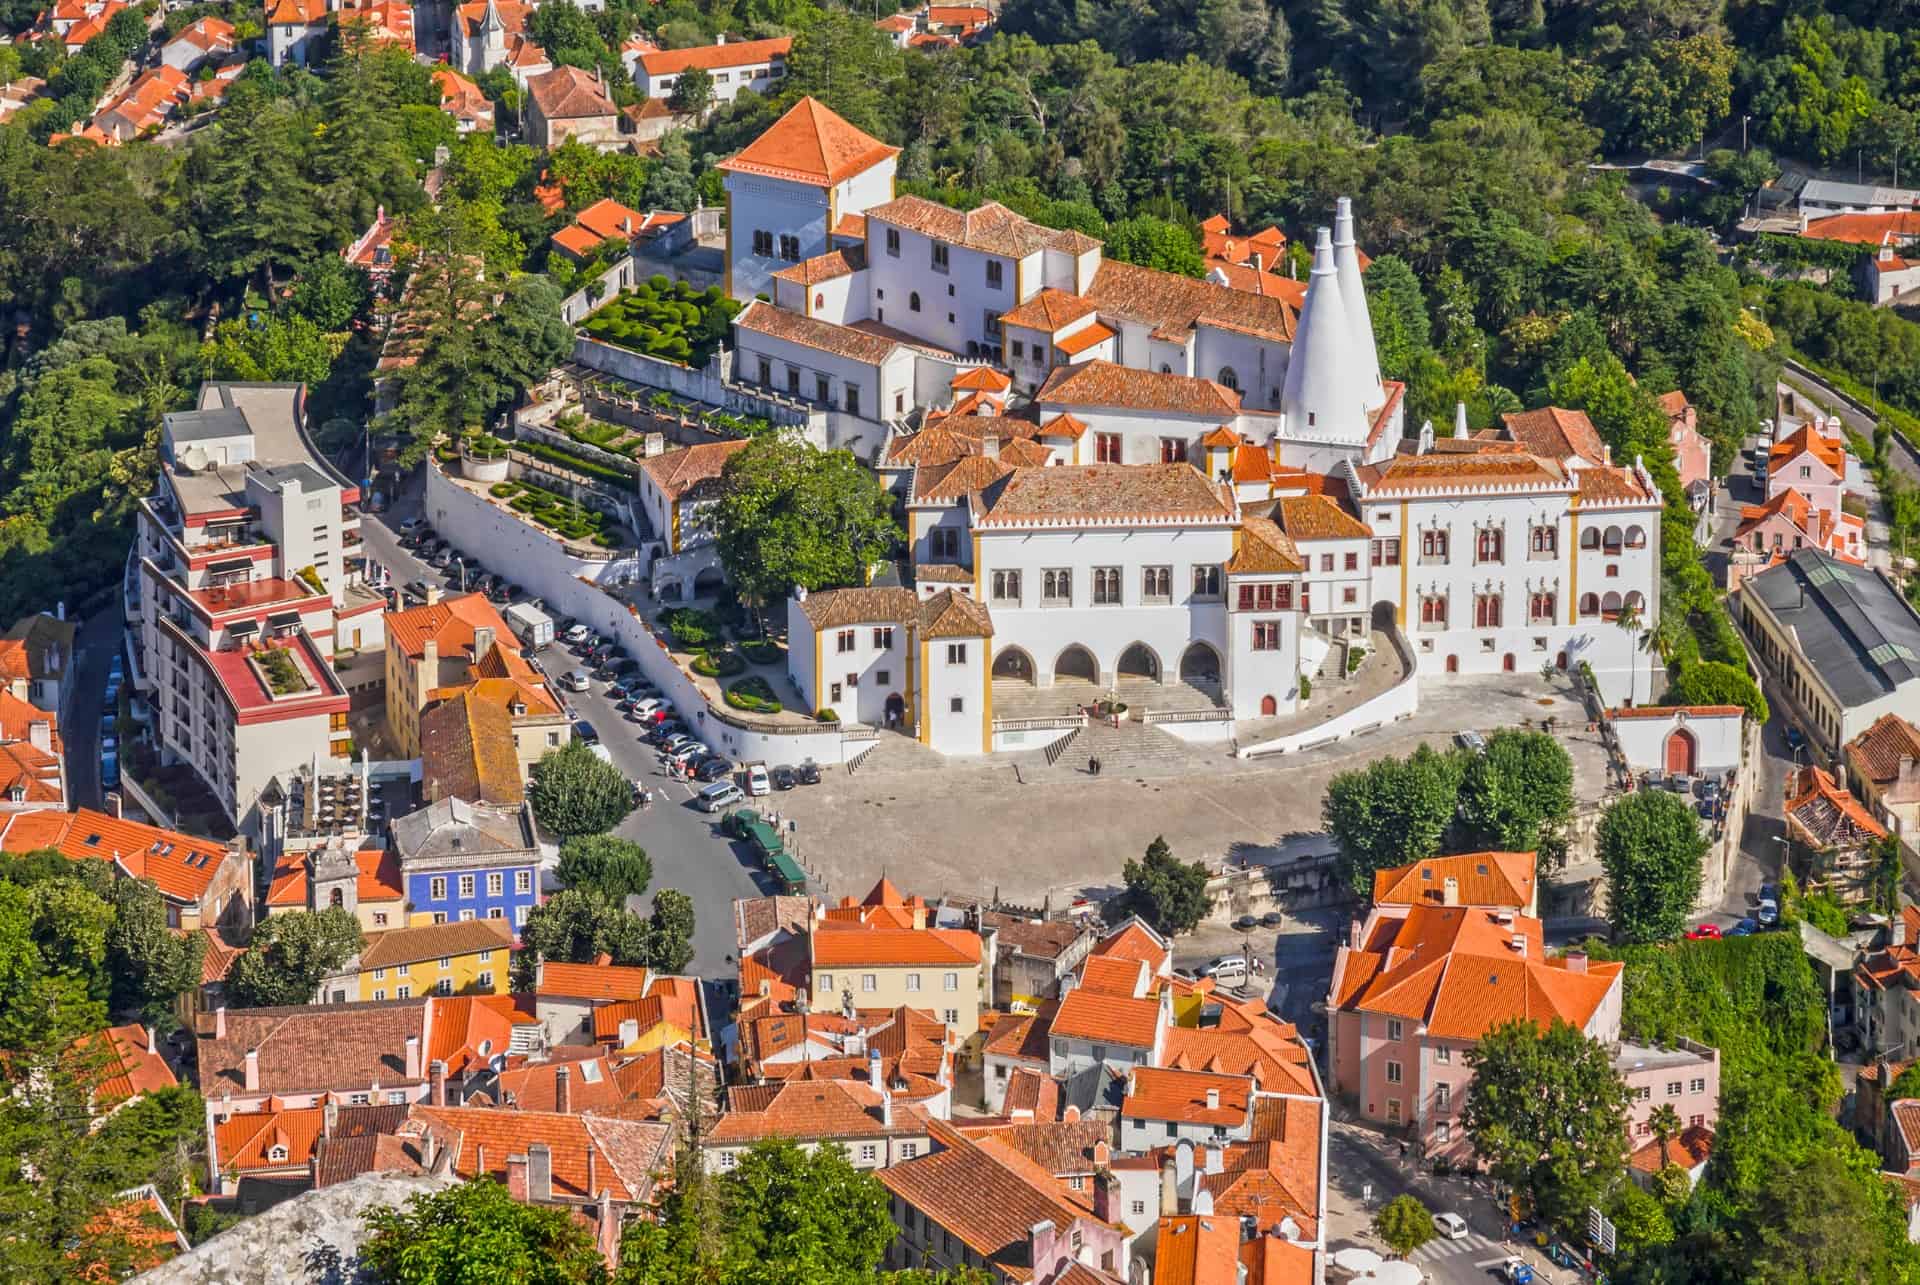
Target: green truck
{"points": [[749, 825]]}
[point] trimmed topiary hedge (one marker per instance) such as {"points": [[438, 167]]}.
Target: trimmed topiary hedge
{"points": [[755, 695], [719, 664], [761, 652]]}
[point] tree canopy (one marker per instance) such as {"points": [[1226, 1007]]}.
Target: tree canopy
{"points": [[576, 793], [1166, 892], [289, 955], [1651, 847], [475, 1231], [606, 863]]}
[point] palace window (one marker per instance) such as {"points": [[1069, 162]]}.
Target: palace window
{"points": [[1056, 587], [1006, 587], [1266, 635], [1156, 584], [1386, 553], [1106, 586], [1433, 546], [1490, 546], [1486, 611]]}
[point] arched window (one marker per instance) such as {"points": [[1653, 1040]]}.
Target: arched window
{"points": [[1433, 611], [333, 898], [1610, 541], [1589, 604], [913, 302], [1228, 378], [1486, 611], [1636, 600], [1544, 539], [1636, 538], [1590, 538], [1540, 608], [1165, 369]]}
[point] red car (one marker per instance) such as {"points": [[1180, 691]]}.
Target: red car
{"points": [[1704, 932]]}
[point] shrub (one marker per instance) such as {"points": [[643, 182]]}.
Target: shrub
{"points": [[719, 664], [755, 695], [606, 542], [504, 490], [826, 715], [523, 503], [761, 652], [692, 628]]}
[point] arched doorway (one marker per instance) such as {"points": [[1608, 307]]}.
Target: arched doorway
{"points": [[1138, 661], [1560, 662], [1015, 664], [1269, 707], [896, 709], [1199, 663], [1680, 752], [1076, 664], [1453, 664], [1506, 663]]}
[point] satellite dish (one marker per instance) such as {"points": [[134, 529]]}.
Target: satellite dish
{"points": [[193, 459]]}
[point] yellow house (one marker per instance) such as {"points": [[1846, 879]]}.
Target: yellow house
{"points": [[879, 953], [434, 646], [464, 957]]}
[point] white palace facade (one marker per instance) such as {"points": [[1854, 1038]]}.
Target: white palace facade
{"points": [[1120, 479]]}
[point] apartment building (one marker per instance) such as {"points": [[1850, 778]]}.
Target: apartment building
{"points": [[733, 65], [249, 578], [438, 646], [460, 957]]}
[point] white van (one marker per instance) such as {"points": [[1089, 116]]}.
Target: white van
{"points": [[719, 795]]}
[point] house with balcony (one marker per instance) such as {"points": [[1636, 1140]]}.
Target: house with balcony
{"points": [[248, 578]]}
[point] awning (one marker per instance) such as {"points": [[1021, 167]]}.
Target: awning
{"points": [[231, 564], [283, 620]]}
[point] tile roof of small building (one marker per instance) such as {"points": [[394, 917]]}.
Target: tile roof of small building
{"points": [[449, 623], [734, 53], [1175, 305], [568, 93], [1689, 1150], [467, 751], [1049, 310], [1807, 439], [831, 266], [1864, 229], [596, 981], [1043, 939], [990, 228], [1183, 1096], [469, 1029], [1264, 549], [1107, 1019], [434, 941], [1498, 879], [758, 918], [1022, 1035], [1877, 753], [1826, 815], [1317, 517], [1108, 384], [854, 947], [310, 1048], [1197, 1249], [182, 866], [1073, 493], [121, 1065], [810, 145], [762, 318], [810, 1111], [626, 1153], [1556, 434], [691, 471]]}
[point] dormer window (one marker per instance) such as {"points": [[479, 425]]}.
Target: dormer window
{"points": [[277, 1154]]}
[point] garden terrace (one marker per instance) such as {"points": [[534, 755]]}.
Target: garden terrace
{"points": [[565, 517], [666, 319]]}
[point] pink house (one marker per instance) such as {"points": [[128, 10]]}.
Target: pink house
{"points": [[1685, 1077], [1692, 455], [1810, 462], [1790, 521]]}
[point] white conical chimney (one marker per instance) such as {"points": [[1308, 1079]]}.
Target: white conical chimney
{"points": [[1324, 399], [1346, 259], [1460, 421]]}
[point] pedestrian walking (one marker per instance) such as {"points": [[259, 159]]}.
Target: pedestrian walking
{"points": [[1093, 766]]}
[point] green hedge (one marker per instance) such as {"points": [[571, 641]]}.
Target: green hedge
{"points": [[761, 652], [719, 664], [578, 463], [755, 695], [692, 628], [504, 490]]}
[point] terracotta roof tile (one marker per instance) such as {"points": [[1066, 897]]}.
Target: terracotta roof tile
{"points": [[1165, 1094], [1450, 473], [1556, 434], [1317, 517], [735, 53], [809, 1110], [1496, 879], [830, 266], [568, 93], [1689, 1150], [1103, 492], [593, 981], [476, 1028], [1195, 1249], [1049, 310], [1023, 1035], [1806, 439], [1107, 384], [1176, 305], [467, 751], [1826, 815], [811, 145], [692, 470], [1134, 940], [449, 623], [1602, 484], [894, 947], [762, 318], [121, 1065], [1107, 1019], [434, 941], [309, 1048], [1877, 753], [1864, 229], [626, 1152], [1264, 549], [180, 865], [991, 228]]}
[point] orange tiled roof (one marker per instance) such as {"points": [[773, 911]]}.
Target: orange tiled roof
{"points": [[1876, 754], [1048, 311], [1499, 879], [626, 1152], [811, 145], [982, 379], [1264, 550], [1103, 492], [811, 1110], [1105, 383], [180, 865], [1162, 1094], [593, 981], [450, 623], [476, 1028], [1175, 305], [1830, 451], [1107, 1019], [1688, 1150], [1249, 1042], [568, 93], [1317, 517], [248, 1140], [1864, 229], [893, 947], [1115, 975], [1134, 940], [735, 53], [14, 666], [33, 773], [1826, 815], [1414, 474], [831, 266], [691, 468], [1197, 1249], [1556, 433], [125, 1066]]}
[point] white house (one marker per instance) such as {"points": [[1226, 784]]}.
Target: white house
{"points": [[885, 656], [758, 65], [486, 34], [1685, 740]]}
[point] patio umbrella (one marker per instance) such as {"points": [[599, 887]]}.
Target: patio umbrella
{"points": [[1396, 1273], [1354, 1258]]}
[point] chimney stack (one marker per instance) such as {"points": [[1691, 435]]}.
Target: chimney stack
{"points": [[413, 1057], [1169, 1188], [437, 1073], [220, 1022], [153, 1045], [540, 1171], [593, 1173], [40, 735], [1216, 1158], [990, 446], [253, 1071], [482, 640], [1576, 961], [1106, 1196], [1897, 930], [433, 594], [629, 1033], [1450, 891], [517, 1178], [562, 1089], [329, 1118]]}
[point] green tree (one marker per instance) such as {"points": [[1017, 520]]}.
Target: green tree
{"points": [[670, 932], [151, 966], [275, 349], [1548, 1113], [692, 93], [790, 516], [1156, 243], [568, 34], [476, 1232], [1390, 812], [1640, 1222], [1651, 847], [1404, 1224], [1709, 682], [1167, 893], [576, 792], [1820, 1220], [1399, 311], [780, 1211], [1667, 97], [576, 926], [290, 954], [852, 68], [1517, 796], [331, 293], [515, 347], [604, 862]]}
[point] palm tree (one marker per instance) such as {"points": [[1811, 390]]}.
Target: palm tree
{"points": [[1665, 1123], [1629, 622]]}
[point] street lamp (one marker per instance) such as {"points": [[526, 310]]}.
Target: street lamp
{"points": [[1743, 134], [461, 562]]}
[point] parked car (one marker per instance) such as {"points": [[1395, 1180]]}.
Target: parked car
{"points": [[413, 524], [1450, 1225], [1704, 932], [574, 680], [689, 754], [720, 794], [1769, 912], [574, 632], [809, 773], [714, 769], [1228, 970], [758, 783], [1745, 928], [1471, 740], [418, 588], [586, 731], [784, 778]]}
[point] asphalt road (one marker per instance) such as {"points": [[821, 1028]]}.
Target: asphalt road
{"points": [[688, 854], [98, 642]]}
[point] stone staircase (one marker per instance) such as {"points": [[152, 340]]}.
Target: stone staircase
{"points": [[892, 753], [1120, 749]]}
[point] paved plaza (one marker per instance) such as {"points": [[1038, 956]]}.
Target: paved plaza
{"points": [[1027, 828]]}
